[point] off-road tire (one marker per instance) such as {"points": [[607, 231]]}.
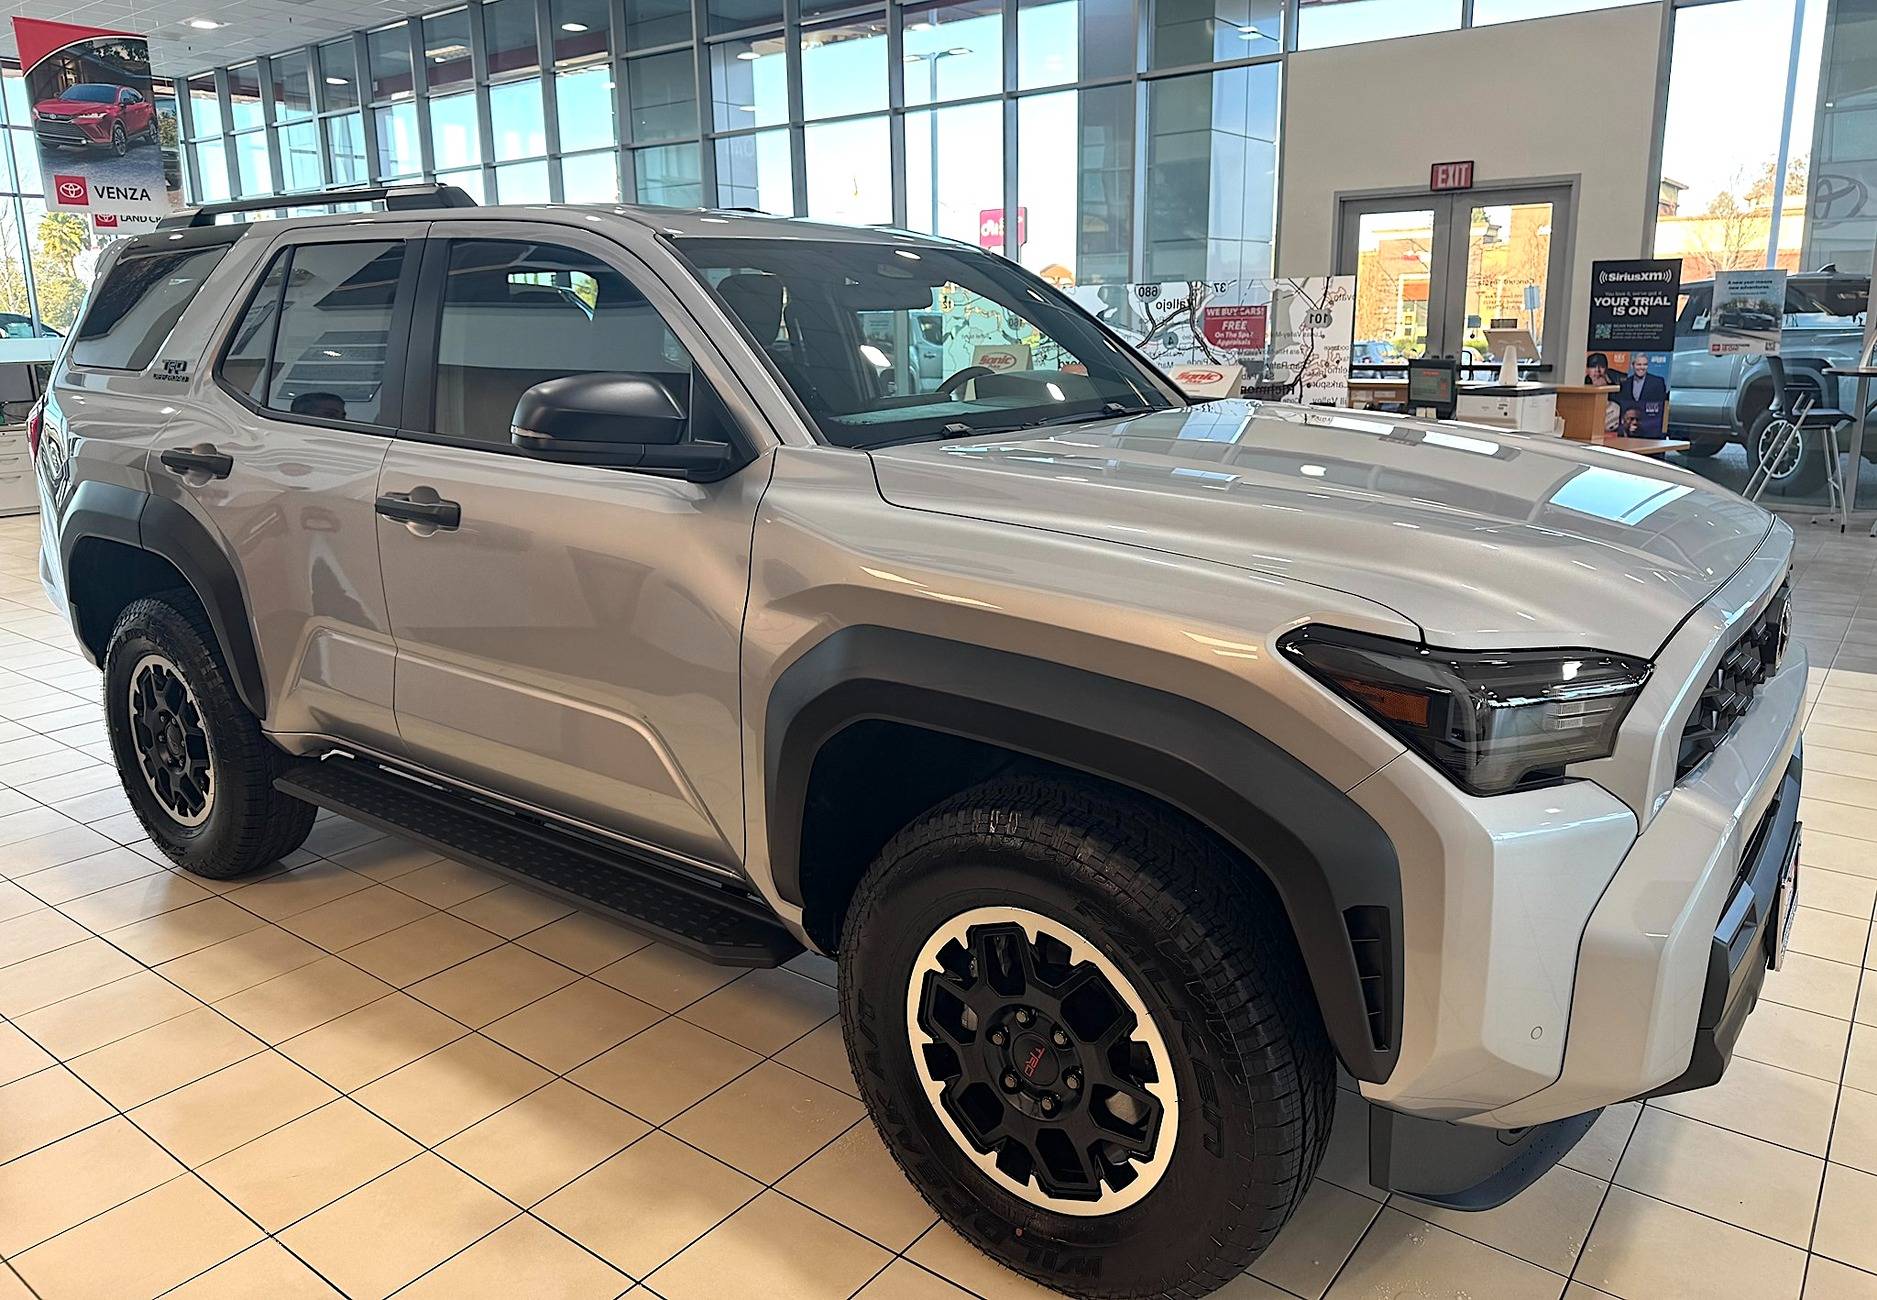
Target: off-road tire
{"points": [[1803, 478], [1208, 950], [249, 825]]}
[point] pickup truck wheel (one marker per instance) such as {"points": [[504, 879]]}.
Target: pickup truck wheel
{"points": [[197, 769], [1086, 1037], [1794, 468]]}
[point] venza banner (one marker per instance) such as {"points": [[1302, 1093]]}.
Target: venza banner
{"points": [[1632, 341], [99, 130]]}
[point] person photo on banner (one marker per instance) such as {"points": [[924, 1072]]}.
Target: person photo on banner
{"points": [[1645, 392], [1598, 374]]}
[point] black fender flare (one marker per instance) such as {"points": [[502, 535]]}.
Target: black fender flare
{"points": [[114, 513], [1333, 867]]}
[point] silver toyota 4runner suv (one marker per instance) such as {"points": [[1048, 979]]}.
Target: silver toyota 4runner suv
{"points": [[1140, 761]]}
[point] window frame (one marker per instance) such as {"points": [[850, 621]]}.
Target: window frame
{"points": [[188, 249], [708, 364], [392, 388]]}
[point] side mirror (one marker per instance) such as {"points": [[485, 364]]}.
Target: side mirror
{"points": [[617, 419]]}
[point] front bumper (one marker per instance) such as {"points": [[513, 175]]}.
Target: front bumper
{"points": [[89, 133]]}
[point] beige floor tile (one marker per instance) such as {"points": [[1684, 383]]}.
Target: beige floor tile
{"points": [[1827, 1279], [1318, 1239], [66, 844], [815, 967], [1847, 1212], [185, 930], [1346, 1157], [1854, 1135], [1814, 984], [165, 1057], [358, 916], [301, 999], [665, 1069], [62, 973], [386, 858], [575, 1024], [437, 1210], [1401, 1253], [768, 1121], [820, 1054], [20, 1055], [15, 901], [766, 1010], [1860, 1064], [446, 883], [524, 1257], [950, 1256], [854, 1181], [1794, 1040], [286, 1174], [1830, 935], [1823, 761], [1763, 1101], [584, 942], [31, 822], [136, 900], [234, 1105], [369, 1043], [1545, 1225], [44, 1107], [179, 1229], [1858, 791], [223, 969], [771, 1248], [663, 976], [486, 988], [421, 949], [300, 890], [1753, 1184], [905, 1280], [88, 875], [265, 1269], [1834, 891], [1645, 1249], [89, 1020], [542, 1142], [511, 910], [445, 1092], [1866, 1013], [647, 1203], [77, 1177], [1837, 853], [31, 933]]}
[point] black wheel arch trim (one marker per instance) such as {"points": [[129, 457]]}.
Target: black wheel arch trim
{"points": [[113, 513], [1323, 854]]}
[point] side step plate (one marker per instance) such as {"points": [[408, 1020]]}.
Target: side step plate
{"points": [[687, 912]]}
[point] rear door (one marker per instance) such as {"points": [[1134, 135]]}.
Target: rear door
{"points": [[572, 640], [279, 455]]}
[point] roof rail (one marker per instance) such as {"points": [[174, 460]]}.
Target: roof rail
{"points": [[396, 198]]}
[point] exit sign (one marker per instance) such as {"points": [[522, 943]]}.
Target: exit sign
{"points": [[1451, 176]]}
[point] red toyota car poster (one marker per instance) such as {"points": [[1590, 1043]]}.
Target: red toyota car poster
{"points": [[100, 132]]}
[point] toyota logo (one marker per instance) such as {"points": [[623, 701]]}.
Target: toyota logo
{"points": [[73, 190]]}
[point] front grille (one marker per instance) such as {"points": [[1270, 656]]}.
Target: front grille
{"points": [[1730, 692]]}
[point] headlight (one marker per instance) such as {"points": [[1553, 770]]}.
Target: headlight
{"points": [[1493, 721]]}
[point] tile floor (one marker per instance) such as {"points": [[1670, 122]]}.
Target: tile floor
{"points": [[379, 1071]]}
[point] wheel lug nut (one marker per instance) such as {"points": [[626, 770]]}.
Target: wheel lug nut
{"points": [[998, 1037], [1049, 1105], [1023, 1016], [1073, 1081], [1010, 1083], [1059, 1038]]}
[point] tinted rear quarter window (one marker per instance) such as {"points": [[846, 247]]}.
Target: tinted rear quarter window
{"points": [[135, 309]]}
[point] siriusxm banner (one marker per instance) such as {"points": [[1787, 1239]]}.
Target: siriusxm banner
{"points": [[101, 134]]}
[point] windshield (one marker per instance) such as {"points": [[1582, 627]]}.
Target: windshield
{"points": [[886, 344], [90, 94]]}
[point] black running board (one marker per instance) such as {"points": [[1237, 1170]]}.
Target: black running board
{"points": [[684, 910]]}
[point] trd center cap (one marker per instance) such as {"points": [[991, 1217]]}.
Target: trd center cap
{"points": [[1035, 1060]]}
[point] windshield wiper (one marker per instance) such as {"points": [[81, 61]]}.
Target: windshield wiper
{"points": [[959, 429]]}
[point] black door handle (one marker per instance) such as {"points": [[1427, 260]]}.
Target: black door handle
{"points": [[435, 512], [214, 463]]}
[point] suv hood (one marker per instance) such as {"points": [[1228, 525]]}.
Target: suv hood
{"points": [[1486, 540], [72, 106]]}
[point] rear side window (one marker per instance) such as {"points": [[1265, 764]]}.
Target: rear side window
{"points": [[313, 340], [137, 306]]}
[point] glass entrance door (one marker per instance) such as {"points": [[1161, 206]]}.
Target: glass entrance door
{"points": [[1435, 272]]}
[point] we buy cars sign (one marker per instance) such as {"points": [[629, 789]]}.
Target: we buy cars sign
{"points": [[95, 121], [1236, 329]]}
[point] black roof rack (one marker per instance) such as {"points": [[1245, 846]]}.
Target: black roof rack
{"points": [[396, 198]]}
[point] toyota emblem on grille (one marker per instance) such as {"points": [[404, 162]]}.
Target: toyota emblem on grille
{"points": [[1785, 634]]}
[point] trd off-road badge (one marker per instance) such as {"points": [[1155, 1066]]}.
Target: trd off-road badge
{"points": [[175, 371]]}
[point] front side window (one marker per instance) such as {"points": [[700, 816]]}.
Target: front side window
{"points": [[886, 344], [137, 306], [516, 314], [314, 338]]}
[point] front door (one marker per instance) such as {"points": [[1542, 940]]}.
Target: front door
{"points": [[572, 641], [1434, 272]]}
